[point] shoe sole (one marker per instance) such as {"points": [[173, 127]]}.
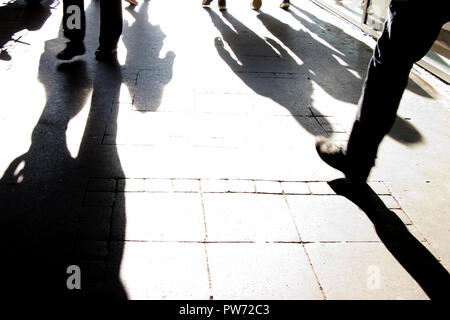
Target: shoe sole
{"points": [[256, 4]]}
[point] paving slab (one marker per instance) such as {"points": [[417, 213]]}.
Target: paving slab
{"points": [[261, 271], [330, 218], [354, 271], [248, 217], [159, 217], [160, 271]]}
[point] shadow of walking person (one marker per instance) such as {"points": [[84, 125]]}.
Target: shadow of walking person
{"points": [[17, 16], [49, 219], [41, 188], [144, 42], [432, 277], [267, 68], [338, 67]]}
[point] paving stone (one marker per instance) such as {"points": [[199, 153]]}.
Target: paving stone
{"points": [[159, 217], [214, 185], [390, 202], [403, 216], [160, 271], [295, 188], [379, 188], [241, 185], [363, 271], [98, 184], [330, 218], [185, 185], [223, 103], [320, 188], [131, 185], [99, 199], [248, 217], [268, 187], [261, 271], [158, 185]]}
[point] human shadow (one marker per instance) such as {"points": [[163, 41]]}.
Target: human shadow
{"points": [[426, 270], [334, 69], [144, 42], [47, 216], [267, 68], [16, 16]]}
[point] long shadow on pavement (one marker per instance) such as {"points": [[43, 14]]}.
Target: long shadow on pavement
{"points": [[17, 16], [432, 277], [48, 221], [333, 67], [255, 56]]}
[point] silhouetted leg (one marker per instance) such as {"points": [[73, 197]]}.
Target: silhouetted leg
{"points": [[74, 26], [409, 32], [110, 27]]}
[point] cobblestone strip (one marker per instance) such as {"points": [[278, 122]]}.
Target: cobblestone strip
{"points": [[95, 230]]}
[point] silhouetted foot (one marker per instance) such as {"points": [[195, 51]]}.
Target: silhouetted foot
{"points": [[222, 5], [285, 4], [103, 53], [335, 157], [206, 2], [256, 4], [71, 50]]}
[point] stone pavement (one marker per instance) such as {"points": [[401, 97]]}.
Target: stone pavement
{"points": [[187, 170]]}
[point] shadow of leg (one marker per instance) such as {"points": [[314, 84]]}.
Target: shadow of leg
{"points": [[409, 252]]}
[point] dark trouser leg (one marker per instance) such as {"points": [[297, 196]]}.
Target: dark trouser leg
{"points": [[74, 20], [409, 32], [110, 23]]}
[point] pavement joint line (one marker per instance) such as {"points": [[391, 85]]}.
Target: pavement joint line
{"points": [[316, 276]]}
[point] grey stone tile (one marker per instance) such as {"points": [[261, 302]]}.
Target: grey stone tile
{"points": [[241, 185], [295, 187], [350, 271], [403, 216], [320, 188], [159, 217], [379, 188], [214, 185], [131, 185], [261, 271], [160, 271], [248, 217], [390, 202], [330, 218], [268, 187], [186, 185]]}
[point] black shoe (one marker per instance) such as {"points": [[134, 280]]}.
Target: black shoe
{"points": [[71, 50], [206, 2], [105, 53], [335, 157], [222, 5]]}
